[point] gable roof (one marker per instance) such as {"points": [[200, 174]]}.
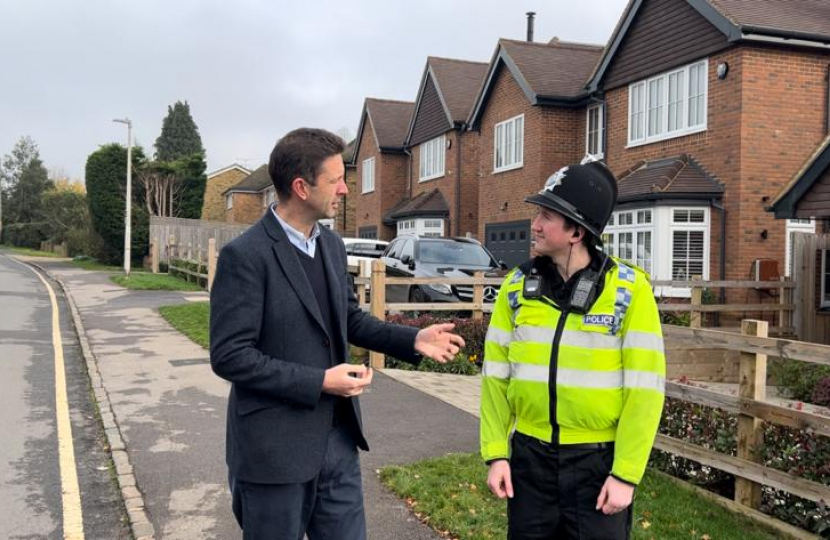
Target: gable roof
{"points": [[790, 22], [230, 167], [428, 203], [389, 120], [669, 178], [457, 83], [785, 203], [554, 73], [253, 183]]}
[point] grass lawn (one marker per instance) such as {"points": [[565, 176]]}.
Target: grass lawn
{"points": [[29, 252], [154, 282], [451, 495], [189, 319]]}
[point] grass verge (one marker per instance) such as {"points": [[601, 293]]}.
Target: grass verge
{"points": [[189, 319], [153, 282], [451, 495], [94, 266], [29, 252]]}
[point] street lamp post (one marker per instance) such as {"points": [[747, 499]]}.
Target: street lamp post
{"points": [[128, 213]]}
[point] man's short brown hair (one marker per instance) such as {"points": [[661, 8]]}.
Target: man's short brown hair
{"points": [[300, 154]]}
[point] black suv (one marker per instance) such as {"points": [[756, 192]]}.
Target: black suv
{"points": [[423, 256]]}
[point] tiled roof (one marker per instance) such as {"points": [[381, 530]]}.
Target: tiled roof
{"points": [[459, 82], [665, 178], [256, 181], [805, 16], [390, 120], [555, 69], [430, 203], [786, 202]]}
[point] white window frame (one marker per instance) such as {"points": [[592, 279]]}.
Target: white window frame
{"points": [[795, 226], [367, 175], [229, 201], [431, 226], [702, 226], [599, 151], [508, 144], [268, 196], [649, 105], [824, 301], [641, 222], [432, 158]]}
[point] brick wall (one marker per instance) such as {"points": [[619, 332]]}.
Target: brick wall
{"points": [[213, 207], [247, 208], [344, 221], [390, 185], [553, 138]]}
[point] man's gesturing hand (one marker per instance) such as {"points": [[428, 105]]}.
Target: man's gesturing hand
{"points": [[347, 380], [498, 479], [438, 343]]}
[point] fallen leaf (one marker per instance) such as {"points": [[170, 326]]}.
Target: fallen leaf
{"points": [[645, 524]]}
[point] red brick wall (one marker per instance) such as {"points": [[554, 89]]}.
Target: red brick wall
{"points": [[764, 120], [247, 208], [553, 138], [390, 185]]}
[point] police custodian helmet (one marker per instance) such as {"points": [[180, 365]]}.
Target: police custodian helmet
{"points": [[585, 193]]}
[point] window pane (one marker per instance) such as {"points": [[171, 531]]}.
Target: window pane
{"points": [[676, 101], [655, 107], [520, 126]]}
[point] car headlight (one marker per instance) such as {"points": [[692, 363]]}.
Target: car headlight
{"points": [[440, 287]]}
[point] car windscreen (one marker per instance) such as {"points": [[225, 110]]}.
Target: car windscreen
{"points": [[459, 254]]}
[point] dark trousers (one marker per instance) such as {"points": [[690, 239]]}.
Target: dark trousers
{"points": [[555, 490], [327, 507]]}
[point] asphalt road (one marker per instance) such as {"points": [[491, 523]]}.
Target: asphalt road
{"points": [[30, 472]]}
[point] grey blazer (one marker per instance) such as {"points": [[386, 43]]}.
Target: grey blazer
{"points": [[267, 337]]}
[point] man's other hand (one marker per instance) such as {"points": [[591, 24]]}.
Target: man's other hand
{"points": [[498, 479], [615, 496], [347, 380], [438, 343]]}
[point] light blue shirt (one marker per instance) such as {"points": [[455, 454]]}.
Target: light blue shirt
{"points": [[298, 239]]}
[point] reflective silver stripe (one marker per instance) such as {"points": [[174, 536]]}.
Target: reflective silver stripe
{"points": [[498, 336], [529, 372], [644, 380], [590, 340], [499, 370], [589, 379], [643, 340], [535, 334]]}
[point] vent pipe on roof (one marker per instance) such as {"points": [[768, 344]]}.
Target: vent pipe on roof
{"points": [[530, 16]]}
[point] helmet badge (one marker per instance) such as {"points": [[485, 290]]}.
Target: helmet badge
{"points": [[555, 180]]}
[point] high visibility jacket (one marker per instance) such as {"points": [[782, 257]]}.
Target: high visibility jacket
{"points": [[608, 370]]}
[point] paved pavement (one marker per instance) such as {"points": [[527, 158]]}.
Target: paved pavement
{"points": [[170, 410]]}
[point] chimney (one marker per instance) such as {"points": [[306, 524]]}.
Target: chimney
{"points": [[530, 16]]}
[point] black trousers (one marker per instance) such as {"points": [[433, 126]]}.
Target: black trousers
{"points": [[555, 490], [328, 507]]}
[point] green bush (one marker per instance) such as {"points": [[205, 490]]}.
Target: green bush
{"points": [[28, 235], [191, 266], [796, 452], [797, 379], [821, 393]]}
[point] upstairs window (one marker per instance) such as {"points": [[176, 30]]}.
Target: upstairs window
{"points": [[432, 155], [229, 201], [508, 141], [595, 131], [669, 105], [368, 175]]}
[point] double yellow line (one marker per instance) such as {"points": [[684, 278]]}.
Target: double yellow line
{"points": [[73, 523]]}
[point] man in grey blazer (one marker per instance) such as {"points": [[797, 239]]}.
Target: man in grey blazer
{"points": [[282, 314]]}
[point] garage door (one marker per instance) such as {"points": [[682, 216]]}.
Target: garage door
{"points": [[509, 242]]}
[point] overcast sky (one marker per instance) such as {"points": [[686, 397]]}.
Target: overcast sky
{"points": [[251, 70]]}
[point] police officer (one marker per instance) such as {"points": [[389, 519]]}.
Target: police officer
{"points": [[574, 371]]}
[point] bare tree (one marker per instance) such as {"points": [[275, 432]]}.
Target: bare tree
{"points": [[162, 189]]}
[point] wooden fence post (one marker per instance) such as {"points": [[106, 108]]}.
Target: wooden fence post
{"points": [[783, 298], [171, 246], [753, 385], [154, 256], [378, 306], [211, 262], [478, 296], [363, 270], [697, 300]]}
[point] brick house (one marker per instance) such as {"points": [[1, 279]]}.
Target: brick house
{"points": [[708, 108], [531, 116], [344, 222], [246, 201], [381, 163], [218, 182], [442, 187]]}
